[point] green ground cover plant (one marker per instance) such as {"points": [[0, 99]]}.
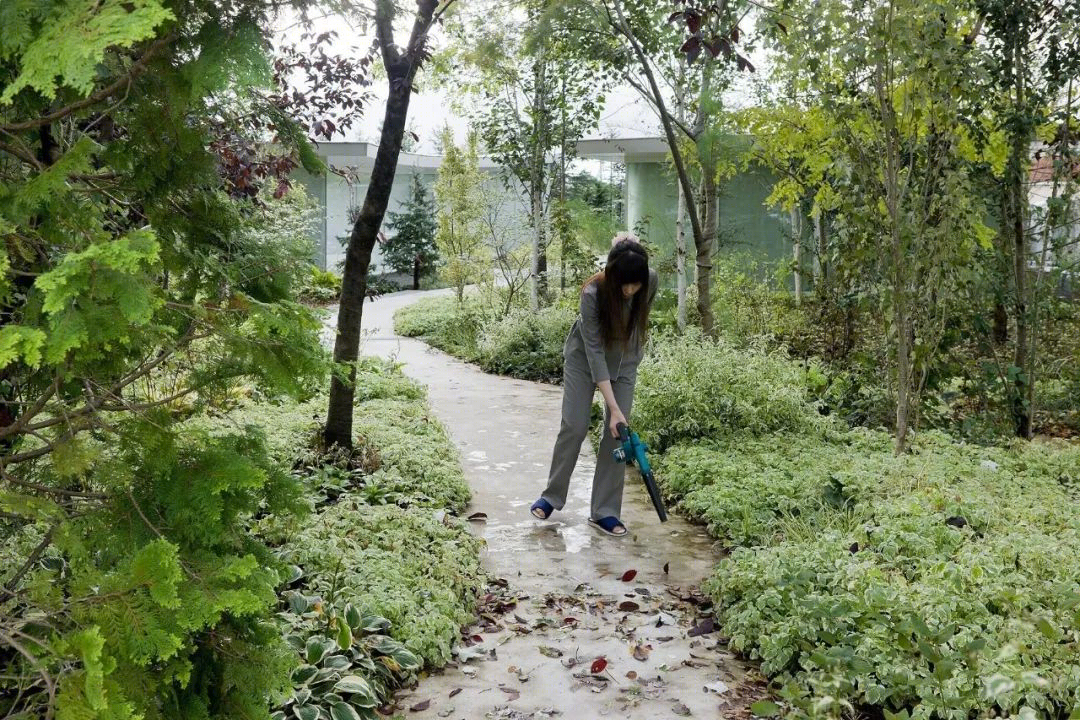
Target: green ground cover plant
{"points": [[378, 572]]}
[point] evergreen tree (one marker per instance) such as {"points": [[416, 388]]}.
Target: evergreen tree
{"points": [[412, 249]]}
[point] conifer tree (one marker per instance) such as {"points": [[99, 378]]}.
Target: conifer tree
{"points": [[412, 248]]}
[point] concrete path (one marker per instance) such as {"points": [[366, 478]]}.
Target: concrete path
{"points": [[565, 603]]}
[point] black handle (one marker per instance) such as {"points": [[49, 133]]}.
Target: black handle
{"points": [[624, 432]]}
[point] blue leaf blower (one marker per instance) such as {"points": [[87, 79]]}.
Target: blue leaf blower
{"points": [[632, 452]]}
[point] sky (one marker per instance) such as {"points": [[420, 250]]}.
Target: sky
{"points": [[624, 115]]}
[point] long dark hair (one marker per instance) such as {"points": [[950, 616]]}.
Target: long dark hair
{"points": [[627, 262]]}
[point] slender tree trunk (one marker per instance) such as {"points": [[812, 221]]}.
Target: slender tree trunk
{"points": [[680, 258], [705, 248], [416, 273], [796, 243], [400, 69], [821, 282], [1017, 206]]}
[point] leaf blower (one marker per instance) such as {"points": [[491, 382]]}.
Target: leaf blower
{"points": [[632, 452]]}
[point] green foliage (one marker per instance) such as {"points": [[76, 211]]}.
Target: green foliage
{"points": [[68, 39], [690, 387], [134, 586], [937, 582], [460, 236], [349, 665], [526, 345], [416, 567], [321, 286], [414, 233]]}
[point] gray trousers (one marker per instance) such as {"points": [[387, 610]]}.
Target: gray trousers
{"points": [[578, 389]]}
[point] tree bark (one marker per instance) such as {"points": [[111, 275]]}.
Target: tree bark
{"points": [[821, 283], [796, 243], [705, 248], [401, 68], [680, 258], [1017, 206]]}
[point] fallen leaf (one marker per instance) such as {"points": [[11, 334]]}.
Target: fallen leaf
{"points": [[718, 687], [703, 628], [519, 619], [642, 591], [447, 712], [629, 606], [454, 692], [681, 709], [511, 693], [629, 575], [632, 675], [512, 669], [421, 706], [666, 568], [477, 638], [478, 517], [550, 651], [666, 638], [569, 621], [641, 652], [569, 662], [598, 666]]}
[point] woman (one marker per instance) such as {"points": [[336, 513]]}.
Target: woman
{"points": [[603, 350]]}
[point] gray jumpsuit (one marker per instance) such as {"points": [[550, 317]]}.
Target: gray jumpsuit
{"points": [[585, 364]]}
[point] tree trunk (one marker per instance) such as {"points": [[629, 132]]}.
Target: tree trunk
{"points": [[416, 273], [680, 258], [1021, 142], [796, 243], [705, 248], [821, 282], [400, 69]]}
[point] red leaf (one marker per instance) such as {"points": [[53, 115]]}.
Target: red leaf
{"points": [[693, 20], [477, 638], [692, 48], [629, 575], [598, 666], [569, 621]]}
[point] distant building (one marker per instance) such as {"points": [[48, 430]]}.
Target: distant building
{"points": [[342, 191]]}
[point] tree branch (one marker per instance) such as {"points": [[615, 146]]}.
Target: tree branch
{"points": [[137, 67]]}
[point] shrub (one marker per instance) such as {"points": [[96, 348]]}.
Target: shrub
{"points": [[690, 387], [937, 584], [415, 567], [525, 344]]}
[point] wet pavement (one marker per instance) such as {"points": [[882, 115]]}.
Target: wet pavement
{"points": [[568, 599]]}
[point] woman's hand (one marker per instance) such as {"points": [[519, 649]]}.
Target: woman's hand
{"points": [[617, 418]]}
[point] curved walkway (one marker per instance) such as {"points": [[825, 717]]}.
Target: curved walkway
{"points": [[565, 602]]}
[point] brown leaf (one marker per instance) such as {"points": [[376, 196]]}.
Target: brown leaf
{"points": [[478, 517], [511, 693], [681, 709], [569, 621], [641, 652], [518, 618], [421, 706], [454, 692], [550, 652], [598, 666], [703, 628], [666, 568], [632, 675], [477, 638], [629, 575], [629, 606]]}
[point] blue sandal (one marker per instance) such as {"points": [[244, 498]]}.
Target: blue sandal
{"points": [[608, 525], [543, 506]]}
